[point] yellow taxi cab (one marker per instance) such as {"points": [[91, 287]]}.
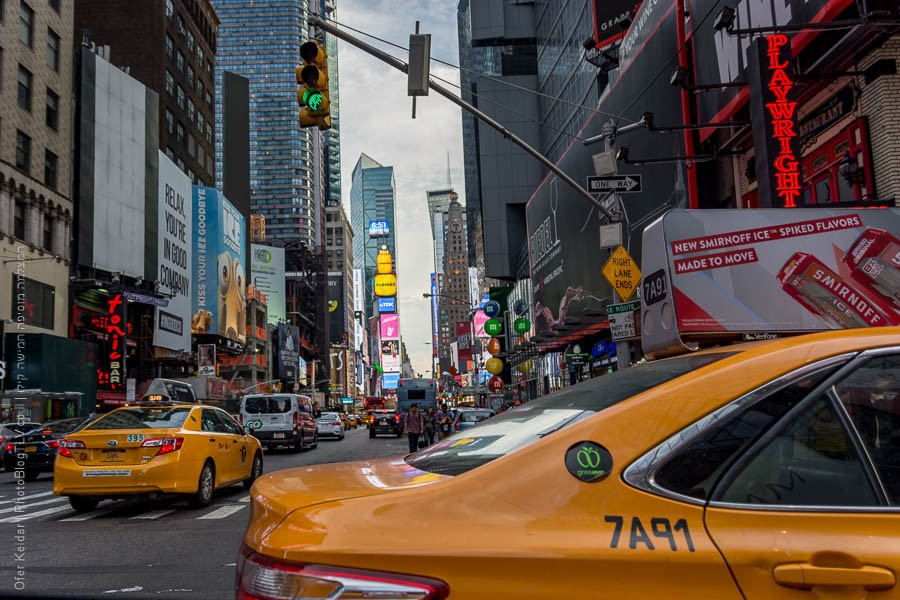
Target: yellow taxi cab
{"points": [[156, 449], [351, 421], [767, 470]]}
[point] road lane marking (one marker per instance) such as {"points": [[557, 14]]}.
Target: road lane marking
{"points": [[221, 513], [245, 499], [90, 515], [23, 507], [41, 513], [27, 498], [155, 514]]}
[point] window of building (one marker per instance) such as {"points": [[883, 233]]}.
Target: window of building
{"points": [[170, 84], [54, 4], [19, 221], [210, 164], [209, 132], [39, 302], [190, 41], [192, 176], [190, 77], [209, 68], [199, 54], [180, 163], [192, 145], [52, 50], [192, 111], [201, 123], [26, 24], [170, 47], [199, 88], [179, 61], [52, 117], [170, 122], [180, 22], [180, 97], [23, 94], [170, 153], [51, 164], [23, 152], [48, 233], [170, 9], [209, 99]]}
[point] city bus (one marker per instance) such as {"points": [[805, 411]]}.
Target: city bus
{"points": [[421, 392]]}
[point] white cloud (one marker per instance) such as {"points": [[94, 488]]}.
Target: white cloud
{"points": [[376, 119]]}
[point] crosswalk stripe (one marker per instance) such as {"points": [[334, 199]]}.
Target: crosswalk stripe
{"points": [[221, 513], [28, 497], [27, 505], [41, 513], [93, 514], [245, 499], [155, 514]]}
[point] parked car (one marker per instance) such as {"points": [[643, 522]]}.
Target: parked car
{"points": [[34, 451], [469, 417], [154, 450], [747, 471], [11, 430], [385, 421], [329, 424], [280, 420]]}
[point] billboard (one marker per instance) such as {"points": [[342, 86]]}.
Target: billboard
{"points": [[390, 355], [379, 229], [564, 229], [715, 273], [175, 251], [387, 305], [390, 327], [359, 294], [464, 348], [267, 274], [287, 359], [390, 381], [609, 15], [336, 310], [219, 287], [206, 360]]}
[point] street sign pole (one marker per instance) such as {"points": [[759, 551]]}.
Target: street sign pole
{"points": [[623, 349]]}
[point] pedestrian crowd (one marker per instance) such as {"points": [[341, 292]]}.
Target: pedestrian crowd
{"points": [[422, 428]]}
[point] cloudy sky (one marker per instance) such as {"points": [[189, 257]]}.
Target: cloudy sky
{"points": [[376, 119]]}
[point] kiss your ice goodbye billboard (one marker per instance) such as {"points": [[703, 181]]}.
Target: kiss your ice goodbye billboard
{"points": [[708, 273], [219, 288]]}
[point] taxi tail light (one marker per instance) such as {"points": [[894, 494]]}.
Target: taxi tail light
{"points": [[10, 447], [260, 577], [165, 445], [66, 446]]}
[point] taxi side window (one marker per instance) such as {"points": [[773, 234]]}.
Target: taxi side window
{"points": [[812, 461], [695, 470], [871, 397], [208, 420], [228, 425]]}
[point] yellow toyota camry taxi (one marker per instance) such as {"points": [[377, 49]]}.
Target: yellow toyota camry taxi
{"points": [[156, 449], [767, 471]]}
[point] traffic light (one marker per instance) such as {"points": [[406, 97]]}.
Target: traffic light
{"points": [[312, 93]]}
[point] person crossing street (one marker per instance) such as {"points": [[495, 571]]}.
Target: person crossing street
{"points": [[414, 425]]}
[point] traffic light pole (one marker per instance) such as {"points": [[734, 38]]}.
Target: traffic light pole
{"points": [[317, 21]]}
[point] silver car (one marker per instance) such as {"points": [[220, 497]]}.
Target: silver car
{"points": [[330, 425]]}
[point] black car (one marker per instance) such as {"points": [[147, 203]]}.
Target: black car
{"points": [[385, 421], [33, 452]]}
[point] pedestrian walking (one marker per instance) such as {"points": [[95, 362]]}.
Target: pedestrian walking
{"points": [[444, 421], [430, 420], [414, 425]]}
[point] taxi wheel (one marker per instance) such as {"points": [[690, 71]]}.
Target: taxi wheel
{"points": [[82, 504], [255, 471], [205, 485]]}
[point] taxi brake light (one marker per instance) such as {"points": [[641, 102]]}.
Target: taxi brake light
{"points": [[260, 577], [65, 447], [165, 445]]}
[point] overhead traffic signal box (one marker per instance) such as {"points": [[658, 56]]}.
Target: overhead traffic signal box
{"points": [[312, 90]]}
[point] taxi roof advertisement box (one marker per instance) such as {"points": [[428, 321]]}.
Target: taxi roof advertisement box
{"points": [[733, 272]]}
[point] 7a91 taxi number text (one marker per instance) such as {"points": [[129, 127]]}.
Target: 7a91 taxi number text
{"points": [[660, 529]]}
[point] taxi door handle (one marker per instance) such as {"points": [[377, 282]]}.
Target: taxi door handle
{"points": [[806, 576], [212, 439]]}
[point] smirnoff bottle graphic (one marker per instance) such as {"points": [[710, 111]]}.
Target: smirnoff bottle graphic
{"points": [[822, 291], [874, 261]]}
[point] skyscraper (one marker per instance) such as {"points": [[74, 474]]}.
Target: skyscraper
{"points": [[454, 285], [261, 40], [372, 197], [438, 204]]}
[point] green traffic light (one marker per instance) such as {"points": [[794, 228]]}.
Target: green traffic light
{"points": [[312, 98]]}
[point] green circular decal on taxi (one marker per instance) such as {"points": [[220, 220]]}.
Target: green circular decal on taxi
{"points": [[588, 461]]}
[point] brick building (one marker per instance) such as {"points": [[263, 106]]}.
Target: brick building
{"points": [[169, 46]]}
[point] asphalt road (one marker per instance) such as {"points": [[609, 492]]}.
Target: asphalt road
{"points": [[132, 549]]}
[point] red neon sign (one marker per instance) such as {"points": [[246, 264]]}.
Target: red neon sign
{"points": [[115, 328], [782, 113]]}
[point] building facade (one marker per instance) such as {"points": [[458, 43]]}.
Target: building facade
{"points": [[372, 198], [36, 136], [453, 303], [170, 47], [261, 41]]}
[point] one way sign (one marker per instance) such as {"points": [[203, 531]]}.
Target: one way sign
{"points": [[614, 183]]}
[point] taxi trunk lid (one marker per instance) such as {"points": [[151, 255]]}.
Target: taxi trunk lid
{"points": [[106, 447]]}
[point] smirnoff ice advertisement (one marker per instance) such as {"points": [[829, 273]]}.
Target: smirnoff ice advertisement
{"points": [[771, 270]]}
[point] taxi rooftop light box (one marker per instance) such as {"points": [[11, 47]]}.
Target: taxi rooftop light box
{"points": [[721, 273]]}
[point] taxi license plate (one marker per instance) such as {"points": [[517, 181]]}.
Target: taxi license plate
{"points": [[29, 449], [113, 455], [279, 436]]}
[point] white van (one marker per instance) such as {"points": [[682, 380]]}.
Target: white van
{"points": [[280, 420]]}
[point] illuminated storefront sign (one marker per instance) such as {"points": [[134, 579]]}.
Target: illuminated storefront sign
{"points": [[113, 377], [773, 112]]}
